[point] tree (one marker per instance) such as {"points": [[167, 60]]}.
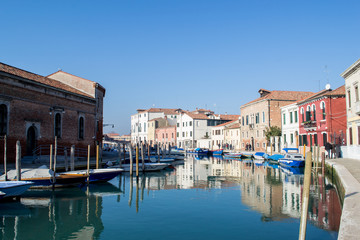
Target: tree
{"points": [[272, 132]]}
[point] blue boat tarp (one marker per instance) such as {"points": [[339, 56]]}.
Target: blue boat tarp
{"points": [[290, 149], [276, 157]]}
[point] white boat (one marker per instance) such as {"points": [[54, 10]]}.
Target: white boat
{"points": [[148, 166], [14, 188], [292, 160], [162, 160]]}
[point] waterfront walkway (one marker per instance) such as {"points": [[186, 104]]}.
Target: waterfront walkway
{"points": [[348, 171]]}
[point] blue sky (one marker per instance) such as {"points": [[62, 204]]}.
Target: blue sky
{"points": [[183, 53]]}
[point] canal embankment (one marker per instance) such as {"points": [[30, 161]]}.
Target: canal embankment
{"points": [[346, 172]]}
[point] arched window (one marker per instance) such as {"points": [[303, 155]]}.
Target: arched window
{"points": [[308, 113], [314, 112], [322, 106], [3, 119], [58, 125], [81, 128], [302, 114]]}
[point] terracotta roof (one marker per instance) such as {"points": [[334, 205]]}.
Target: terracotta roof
{"points": [[164, 110], [236, 125], [340, 91], [229, 117], [224, 124], [282, 95], [39, 79], [197, 116]]}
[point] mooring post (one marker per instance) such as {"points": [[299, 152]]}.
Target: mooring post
{"points": [[148, 151], [124, 152], [318, 158], [5, 157], [119, 155], [323, 164], [97, 156], [131, 159], [51, 157], [55, 155], [305, 199], [137, 194], [304, 150], [158, 152], [18, 161], [72, 157], [137, 160], [142, 157], [88, 163], [66, 165], [163, 150], [131, 187]]}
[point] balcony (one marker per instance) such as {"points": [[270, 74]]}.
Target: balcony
{"points": [[309, 125]]}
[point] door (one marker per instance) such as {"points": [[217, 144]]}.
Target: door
{"points": [[30, 140]]}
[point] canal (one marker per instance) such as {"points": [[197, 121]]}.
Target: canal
{"points": [[207, 198]]}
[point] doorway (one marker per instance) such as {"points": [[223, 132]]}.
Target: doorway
{"points": [[30, 140]]}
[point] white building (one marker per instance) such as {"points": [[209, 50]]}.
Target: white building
{"points": [[140, 121], [196, 125], [352, 83], [290, 126]]}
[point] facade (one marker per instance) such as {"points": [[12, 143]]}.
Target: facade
{"points": [[152, 126], [290, 126], [261, 113], [322, 118], [166, 135], [140, 121], [352, 82], [34, 109], [193, 126], [232, 136]]}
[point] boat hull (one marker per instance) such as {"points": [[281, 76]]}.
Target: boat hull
{"points": [[292, 163], [14, 188]]}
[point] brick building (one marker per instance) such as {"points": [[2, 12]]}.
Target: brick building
{"points": [[264, 112], [34, 109], [322, 118]]}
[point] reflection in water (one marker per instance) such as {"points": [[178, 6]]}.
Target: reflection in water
{"points": [[78, 213]]}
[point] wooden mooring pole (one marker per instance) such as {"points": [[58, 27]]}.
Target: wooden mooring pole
{"points": [[5, 157], [18, 161], [305, 198], [142, 157], [72, 158], [137, 160], [55, 155], [120, 155], [97, 156], [131, 159], [51, 157], [88, 162], [66, 164]]}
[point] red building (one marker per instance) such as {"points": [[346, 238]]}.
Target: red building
{"points": [[322, 118], [166, 135]]}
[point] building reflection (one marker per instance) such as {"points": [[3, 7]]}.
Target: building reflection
{"points": [[72, 213]]}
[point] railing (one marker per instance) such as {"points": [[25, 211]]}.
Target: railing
{"points": [[44, 150], [309, 124]]}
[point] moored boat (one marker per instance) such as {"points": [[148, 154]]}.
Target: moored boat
{"points": [[99, 175], [292, 160], [217, 152], [274, 159], [14, 188], [203, 151], [233, 155], [259, 155], [148, 166], [43, 177]]}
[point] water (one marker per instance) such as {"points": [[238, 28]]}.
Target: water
{"points": [[199, 199]]}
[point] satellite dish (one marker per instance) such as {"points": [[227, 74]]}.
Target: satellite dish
{"points": [[327, 86]]}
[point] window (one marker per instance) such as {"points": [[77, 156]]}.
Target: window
{"points": [[58, 125], [322, 106], [242, 120], [324, 138], [315, 139], [314, 112], [190, 133], [183, 134], [263, 117], [163, 135], [356, 93], [144, 127], [308, 113], [291, 117], [3, 119], [177, 134], [284, 119], [302, 114], [166, 135], [81, 128], [291, 138], [178, 124], [247, 119], [296, 116], [349, 99], [190, 123], [350, 136], [257, 120], [172, 135], [284, 138]]}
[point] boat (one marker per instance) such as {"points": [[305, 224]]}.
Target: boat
{"points": [[203, 151], [43, 177], [233, 155], [292, 160], [274, 159], [155, 159], [148, 166], [99, 175], [246, 155], [14, 188], [177, 151], [259, 155], [2, 195], [217, 152]]}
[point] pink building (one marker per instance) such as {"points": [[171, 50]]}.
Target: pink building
{"points": [[166, 135]]}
